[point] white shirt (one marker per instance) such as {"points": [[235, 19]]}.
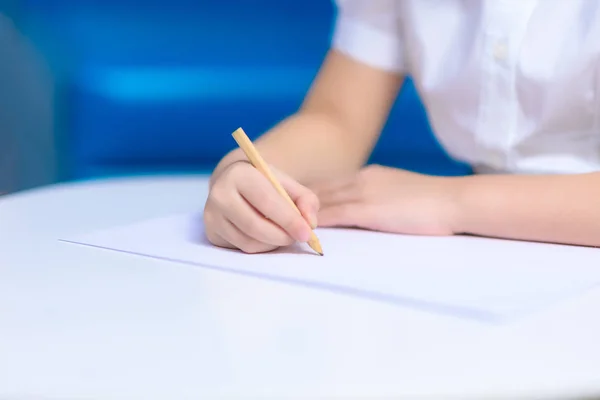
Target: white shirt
{"points": [[509, 85]]}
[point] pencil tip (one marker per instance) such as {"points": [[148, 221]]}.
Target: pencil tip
{"points": [[315, 245]]}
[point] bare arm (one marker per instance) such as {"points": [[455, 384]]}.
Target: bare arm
{"points": [[546, 208], [337, 126]]}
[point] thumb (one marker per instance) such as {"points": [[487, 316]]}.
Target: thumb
{"points": [[306, 200], [308, 204]]}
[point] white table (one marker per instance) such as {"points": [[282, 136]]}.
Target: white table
{"points": [[77, 322]]}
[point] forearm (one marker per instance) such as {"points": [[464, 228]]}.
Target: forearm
{"points": [[546, 208], [307, 146], [337, 126]]}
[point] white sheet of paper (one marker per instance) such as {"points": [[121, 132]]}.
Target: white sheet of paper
{"points": [[486, 279]]}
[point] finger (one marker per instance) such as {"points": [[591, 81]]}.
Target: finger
{"points": [[309, 208], [346, 215], [304, 198], [268, 202], [218, 232], [235, 238], [253, 223], [294, 188], [218, 240], [212, 223]]}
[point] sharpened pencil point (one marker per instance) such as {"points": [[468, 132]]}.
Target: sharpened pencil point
{"points": [[316, 245]]}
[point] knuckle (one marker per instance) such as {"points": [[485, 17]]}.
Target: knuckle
{"points": [[208, 216], [251, 227], [218, 194], [209, 233], [234, 168], [240, 171], [228, 180], [212, 237], [210, 230], [223, 199]]}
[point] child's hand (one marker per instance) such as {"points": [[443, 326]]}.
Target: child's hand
{"points": [[390, 200], [244, 211]]}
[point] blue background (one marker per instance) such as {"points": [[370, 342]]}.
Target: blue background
{"points": [[158, 86]]}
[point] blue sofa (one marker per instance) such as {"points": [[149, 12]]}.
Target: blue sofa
{"points": [[158, 86]]}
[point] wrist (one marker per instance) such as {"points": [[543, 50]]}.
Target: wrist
{"points": [[465, 193], [459, 208]]}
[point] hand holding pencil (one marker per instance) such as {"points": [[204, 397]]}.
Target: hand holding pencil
{"points": [[255, 208]]}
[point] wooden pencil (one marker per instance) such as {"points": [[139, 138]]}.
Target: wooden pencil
{"points": [[259, 163]]}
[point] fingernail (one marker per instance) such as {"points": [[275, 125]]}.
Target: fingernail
{"points": [[313, 222]]}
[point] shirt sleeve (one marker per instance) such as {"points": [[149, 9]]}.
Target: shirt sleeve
{"points": [[369, 31]]}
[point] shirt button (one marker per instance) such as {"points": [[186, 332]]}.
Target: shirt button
{"points": [[500, 51]]}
